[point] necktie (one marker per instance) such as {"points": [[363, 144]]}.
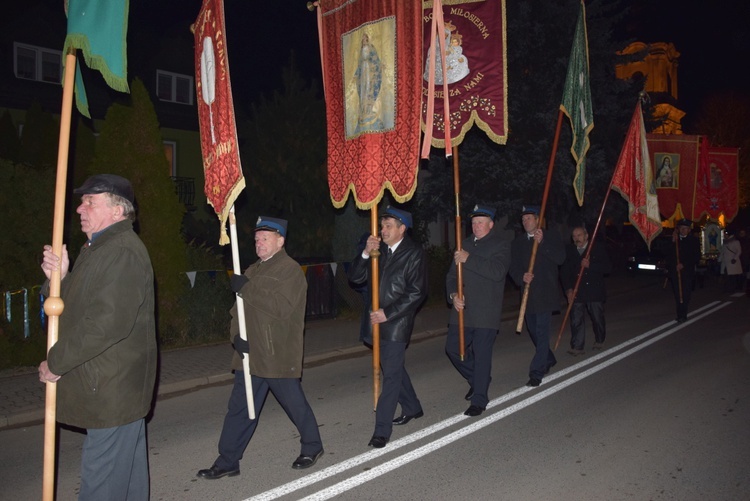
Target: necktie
{"points": [[390, 252]]}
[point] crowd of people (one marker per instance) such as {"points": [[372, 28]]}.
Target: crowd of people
{"points": [[105, 360]]}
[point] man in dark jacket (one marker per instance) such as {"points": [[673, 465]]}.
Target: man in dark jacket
{"points": [[403, 288], [104, 361], [544, 287], [681, 262], [485, 258], [591, 294], [274, 294]]}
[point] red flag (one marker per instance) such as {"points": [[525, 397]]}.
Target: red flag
{"points": [[371, 56], [675, 161], [476, 69], [716, 187], [221, 156], [633, 179]]}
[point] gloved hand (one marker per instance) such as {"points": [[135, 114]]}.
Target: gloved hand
{"points": [[241, 346], [237, 282]]}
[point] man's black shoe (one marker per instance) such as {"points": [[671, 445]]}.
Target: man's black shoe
{"points": [[215, 472], [534, 382], [378, 442], [469, 394], [474, 410], [303, 461], [403, 419]]}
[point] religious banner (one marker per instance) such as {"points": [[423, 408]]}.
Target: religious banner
{"points": [[716, 187], [99, 30], [218, 131], [633, 179], [674, 158], [576, 102], [476, 63], [371, 57]]}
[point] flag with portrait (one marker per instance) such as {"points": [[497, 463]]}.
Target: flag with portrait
{"points": [[371, 55], [476, 69]]}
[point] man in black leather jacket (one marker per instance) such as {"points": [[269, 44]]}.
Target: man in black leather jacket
{"points": [[402, 289]]}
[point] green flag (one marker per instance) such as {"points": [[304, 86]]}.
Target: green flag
{"points": [[99, 29], [576, 102]]}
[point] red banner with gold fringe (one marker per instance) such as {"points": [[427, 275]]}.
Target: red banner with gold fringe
{"points": [[716, 187], [221, 156], [476, 73], [371, 56], [674, 158]]}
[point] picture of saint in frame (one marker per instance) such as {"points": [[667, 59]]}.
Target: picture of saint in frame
{"points": [[667, 170]]}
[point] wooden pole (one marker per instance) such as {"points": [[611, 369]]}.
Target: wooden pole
{"points": [[375, 296], [550, 169], [459, 266], [53, 306], [241, 314], [677, 253]]}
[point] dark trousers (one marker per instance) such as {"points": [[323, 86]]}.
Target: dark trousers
{"points": [[397, 389], [239, 428], [687, 289], [539, 325], [578, 323], [476, 367], [114, 463]]}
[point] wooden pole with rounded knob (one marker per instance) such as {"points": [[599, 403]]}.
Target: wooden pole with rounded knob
{"points": [[53, 306]]}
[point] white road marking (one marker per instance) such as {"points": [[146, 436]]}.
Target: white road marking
{"points": [[377, 471]]}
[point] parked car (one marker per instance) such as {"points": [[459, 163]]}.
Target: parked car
{"points": [[650, 262]]}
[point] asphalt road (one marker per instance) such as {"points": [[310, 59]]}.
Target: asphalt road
{"points": [[661, 414]]}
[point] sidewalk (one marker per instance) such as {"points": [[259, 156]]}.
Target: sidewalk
{"points": [[22, 396]]}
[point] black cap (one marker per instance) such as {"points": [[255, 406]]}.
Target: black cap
{"points": [[107, 183], [685, 222]]}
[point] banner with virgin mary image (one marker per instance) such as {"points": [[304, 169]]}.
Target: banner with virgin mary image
{"points": [[476, 69], [371, 57]]}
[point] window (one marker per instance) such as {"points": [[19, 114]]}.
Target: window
{"points": [[37, 63], [174, 87]]}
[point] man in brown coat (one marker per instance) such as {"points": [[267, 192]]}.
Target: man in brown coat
{"points": [[274, 293]]}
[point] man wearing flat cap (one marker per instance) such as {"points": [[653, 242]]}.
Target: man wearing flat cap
{"points": [[681, 262], [544, 287], [105, 357], [485, 258], [274, 293], [403, 288]]}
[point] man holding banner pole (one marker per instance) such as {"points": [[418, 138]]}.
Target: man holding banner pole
{"points": [[402, 289], [544, 295], [274, 293], [485, 257]]}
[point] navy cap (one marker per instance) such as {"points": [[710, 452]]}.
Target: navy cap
{"points": [[685, 222], [266, 223], [530, 209], [482, 210], [107, 183], [398, 214]]}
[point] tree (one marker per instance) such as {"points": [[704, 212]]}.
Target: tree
{"points": [[283, 148], [9, 143], [130, 145]]}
